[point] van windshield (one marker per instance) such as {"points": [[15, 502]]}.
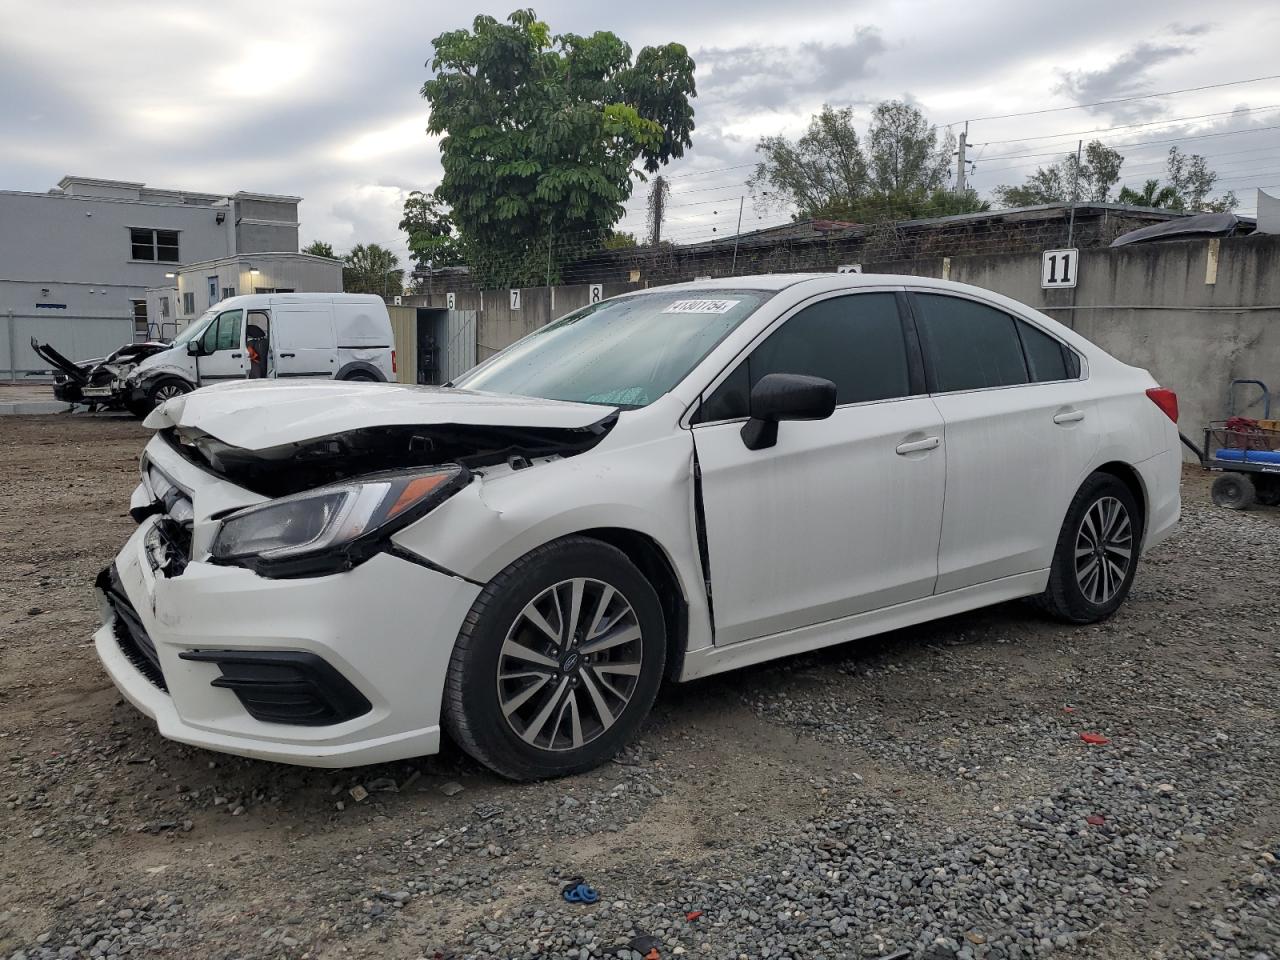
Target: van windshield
{"points": [[194, 328], [621, 353]]}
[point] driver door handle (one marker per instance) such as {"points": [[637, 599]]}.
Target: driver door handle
{"points": [[915, 446], [288, 354], [235, 356], [1068, 416]]}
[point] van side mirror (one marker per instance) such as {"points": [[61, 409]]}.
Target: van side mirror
{"points": [[193, 348], [785, 396]]}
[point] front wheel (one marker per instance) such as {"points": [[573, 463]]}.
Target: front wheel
{"points": [[1096, 556], [163, 390], [557, 663]]}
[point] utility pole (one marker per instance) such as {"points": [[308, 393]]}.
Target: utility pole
{"points": [[736, 235], [1075, 195], [960, 161], [657, 208]]}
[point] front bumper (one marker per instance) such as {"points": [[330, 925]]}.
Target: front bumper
{"points": [[387, 628]]}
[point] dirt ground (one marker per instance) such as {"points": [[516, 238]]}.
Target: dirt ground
{"points": [[118, 842]]}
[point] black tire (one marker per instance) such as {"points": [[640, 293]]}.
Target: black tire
{"points": [[361, 377], [1074, 594], [161, 390], [473, 704], [1235, 491]]}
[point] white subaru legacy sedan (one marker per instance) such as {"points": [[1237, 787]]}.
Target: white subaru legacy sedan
{"points": [[665, 485]]}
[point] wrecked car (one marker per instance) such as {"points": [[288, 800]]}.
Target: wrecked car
{"points": [[664, 485], [95, 383]]}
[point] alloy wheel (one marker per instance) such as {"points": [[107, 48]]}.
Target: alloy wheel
{"points": [[167, 392], [569, 664], [1104, 550]]}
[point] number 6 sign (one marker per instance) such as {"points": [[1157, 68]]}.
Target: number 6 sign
{"points": [[1058, 268]]}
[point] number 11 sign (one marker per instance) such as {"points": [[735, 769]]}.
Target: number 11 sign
{"points": [[1058, 268]]}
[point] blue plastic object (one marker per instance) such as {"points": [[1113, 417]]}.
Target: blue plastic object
{"points": [[1248, 456], [580, 893]]}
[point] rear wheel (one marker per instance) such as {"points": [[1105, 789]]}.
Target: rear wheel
{"points": [[361, 377], [558, 662], [1096, 556], [1235, 491]]}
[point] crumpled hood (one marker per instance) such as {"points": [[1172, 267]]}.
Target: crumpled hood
{"points": [[258, 414]]}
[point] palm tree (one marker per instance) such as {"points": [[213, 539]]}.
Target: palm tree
{"points": [[370, 268], [1152, 195]]}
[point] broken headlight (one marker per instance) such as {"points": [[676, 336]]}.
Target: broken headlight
{"points": [[331, 528]]}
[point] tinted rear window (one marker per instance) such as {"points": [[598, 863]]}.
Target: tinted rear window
{"points": [[969, 346]]}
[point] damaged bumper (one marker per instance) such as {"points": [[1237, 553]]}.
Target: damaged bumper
{"points": [[302, 671]]}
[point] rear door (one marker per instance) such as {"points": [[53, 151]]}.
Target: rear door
{"points": [[1020, 432], [842, 515], [222, 349], [302, 340]]}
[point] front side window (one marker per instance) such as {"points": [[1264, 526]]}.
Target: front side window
{"points": [[854, 341], [154, 245], [223, 333], [625, 352], [968, 345]]}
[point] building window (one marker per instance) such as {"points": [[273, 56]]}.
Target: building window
{"points": [[164, 308], [189, 302], [228, 293], [140, 318], [155, 245], [213, 290], [273, 289]]}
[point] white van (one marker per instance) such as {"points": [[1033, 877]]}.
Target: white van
{"points": [[338, 336]]}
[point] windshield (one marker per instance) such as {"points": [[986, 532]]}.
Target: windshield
{"points": [[624, 353], [194, 328]]}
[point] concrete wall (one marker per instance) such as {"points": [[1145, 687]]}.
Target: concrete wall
{"points": [[1150, 305]]}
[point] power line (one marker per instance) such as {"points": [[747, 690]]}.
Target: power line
{"points": [[1127, 126], [1142, 143], [1103, 103]]}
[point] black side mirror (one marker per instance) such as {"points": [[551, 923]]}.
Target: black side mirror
{"points": [[193, 348], [785, 396]]}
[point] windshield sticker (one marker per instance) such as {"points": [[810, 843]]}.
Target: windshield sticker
{"points": [[702, 306]]}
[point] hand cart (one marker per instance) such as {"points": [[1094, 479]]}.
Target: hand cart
{"points": [[1244, 452]]}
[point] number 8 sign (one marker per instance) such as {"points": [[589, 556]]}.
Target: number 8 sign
{"points": [[1058, 268]]}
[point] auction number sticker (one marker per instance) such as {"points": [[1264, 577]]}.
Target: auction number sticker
{"points": [[702, 306]]}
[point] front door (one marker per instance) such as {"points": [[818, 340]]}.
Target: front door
{"points": [[222, 349], [1020, 437], [842, 515]]}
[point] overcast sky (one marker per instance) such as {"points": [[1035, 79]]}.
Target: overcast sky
{"points": [[321, 99]]}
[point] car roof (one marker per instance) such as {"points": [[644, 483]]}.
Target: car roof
{"points": [[781, 281]]}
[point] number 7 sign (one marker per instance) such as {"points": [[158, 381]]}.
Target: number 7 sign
{"points": [[1058, 268]]}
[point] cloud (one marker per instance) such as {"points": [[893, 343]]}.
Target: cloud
{"points": [[773, 77], [1124, 77]]}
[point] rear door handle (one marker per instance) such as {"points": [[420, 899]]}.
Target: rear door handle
{"points": [[1068, 416], [915, 446], [288, 354]]}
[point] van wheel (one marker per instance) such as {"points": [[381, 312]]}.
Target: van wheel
{"points": [[360, 377], [166, 388], [557, 663], [1097, 553]]}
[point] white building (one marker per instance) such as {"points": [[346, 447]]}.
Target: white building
{"points": [[76, 262]]}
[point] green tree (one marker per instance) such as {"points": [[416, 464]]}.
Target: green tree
{"points": [[900, 173], [432, 241], [617, 240], [369, 268], [540, 136], [1087, 180], [318, 248], [1189, 183]]}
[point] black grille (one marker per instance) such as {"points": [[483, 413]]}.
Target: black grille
{"points": [[130, 634], [285, 686]]}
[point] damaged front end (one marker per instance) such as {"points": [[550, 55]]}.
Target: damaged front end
{"points": [[334, 501], [97, 383]]}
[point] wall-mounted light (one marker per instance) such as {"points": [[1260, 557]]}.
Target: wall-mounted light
{"points": [[220, 217], [170, 276], [254, 270]]}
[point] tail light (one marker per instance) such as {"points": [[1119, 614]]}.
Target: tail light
{"points": [[393, 370], [1166, 400]]}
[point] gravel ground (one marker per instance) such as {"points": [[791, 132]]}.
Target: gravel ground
{"points": [[928, 791]]}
